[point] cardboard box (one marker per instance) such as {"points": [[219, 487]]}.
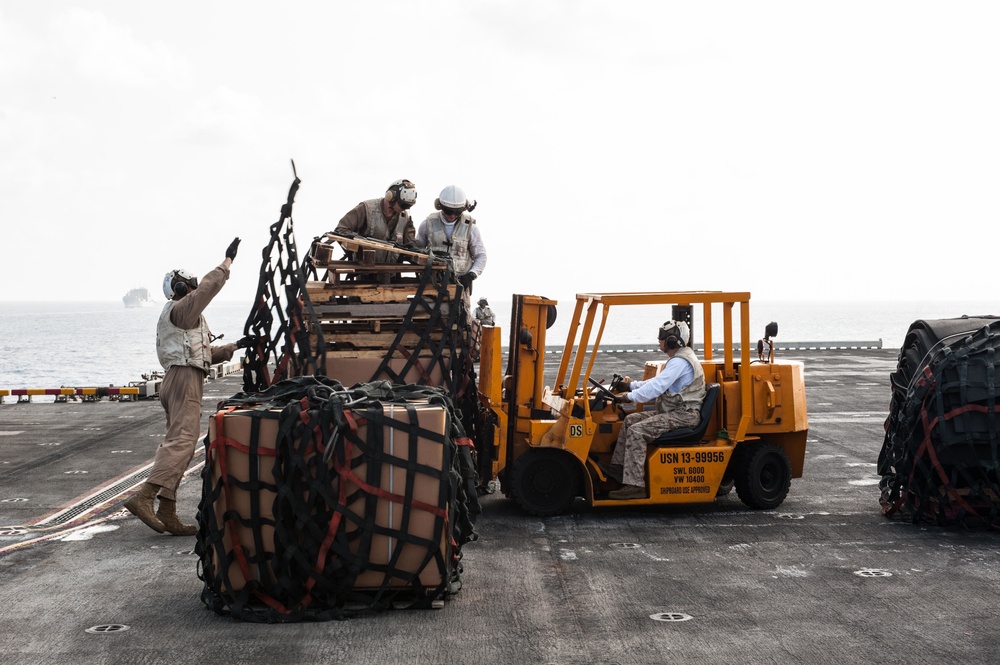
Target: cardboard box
{"points": [[423, 489], [420, 496], [352, 370], [236, 426]]}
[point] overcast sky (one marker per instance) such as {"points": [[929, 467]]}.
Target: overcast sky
{"points": [[797, 150]]}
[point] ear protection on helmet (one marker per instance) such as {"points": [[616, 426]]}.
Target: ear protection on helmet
{"points": [[454, 199], [403, 191], [675, 333], [179, 283]]}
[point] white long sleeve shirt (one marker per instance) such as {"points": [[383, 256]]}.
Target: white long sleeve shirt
{"points": [[676, 374]]}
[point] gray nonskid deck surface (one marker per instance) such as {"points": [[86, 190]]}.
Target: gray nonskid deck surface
{"points": [[822, 579]]}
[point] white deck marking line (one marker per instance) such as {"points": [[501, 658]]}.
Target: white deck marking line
{"points": [[39, 524]]}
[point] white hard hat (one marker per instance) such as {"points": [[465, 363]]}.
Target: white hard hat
{"points": [[179, 283], [452, 197]]}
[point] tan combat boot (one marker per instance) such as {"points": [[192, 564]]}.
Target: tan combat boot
{"points": [[628, 492], [167, 512], [141, 505]]}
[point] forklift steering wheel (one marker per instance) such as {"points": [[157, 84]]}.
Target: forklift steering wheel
{"points": [[600, 387]]}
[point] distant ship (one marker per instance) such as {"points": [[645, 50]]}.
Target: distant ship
{"points": [[137, 298]]}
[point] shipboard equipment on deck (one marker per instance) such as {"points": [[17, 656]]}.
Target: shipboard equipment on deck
{"points": [[939, 457]]}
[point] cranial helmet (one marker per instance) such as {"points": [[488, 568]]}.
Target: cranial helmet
{"points": [[179, 283], [676, 334], [482, 301], [403, 192], [453, 198]]}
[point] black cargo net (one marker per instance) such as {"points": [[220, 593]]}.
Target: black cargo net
{"points": [[281, 346], [939, 460], [352, 507], [439, 327], [435, 339], [444, 344]]}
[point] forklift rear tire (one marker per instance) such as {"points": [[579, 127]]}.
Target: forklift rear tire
{"points": [[544, 482], [763, 476]]}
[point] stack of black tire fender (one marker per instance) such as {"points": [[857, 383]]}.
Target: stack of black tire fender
{"points": [[940, 460]]}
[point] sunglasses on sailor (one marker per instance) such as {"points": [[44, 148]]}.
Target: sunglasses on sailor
{"points": [[451, 212]]}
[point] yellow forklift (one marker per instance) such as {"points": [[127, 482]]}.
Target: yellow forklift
{"points": [[549, 446]]}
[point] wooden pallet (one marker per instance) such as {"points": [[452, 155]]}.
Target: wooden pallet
{"points": [[366, 292], [379, 340], [358, 314]]}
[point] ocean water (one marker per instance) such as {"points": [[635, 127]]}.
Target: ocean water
{"points": [[92, 344]]}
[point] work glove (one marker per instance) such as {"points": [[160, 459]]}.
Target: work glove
{"points": [[247, 342], [466, 280], [231, 250]]}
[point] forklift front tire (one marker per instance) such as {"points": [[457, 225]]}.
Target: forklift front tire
{"points": [[545, 481]]}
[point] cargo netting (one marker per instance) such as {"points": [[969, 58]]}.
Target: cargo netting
{"points": [[277, 324], [338, 511], [939, 460]]}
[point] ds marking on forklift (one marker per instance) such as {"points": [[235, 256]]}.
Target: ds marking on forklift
{"points": [[671, 617]]}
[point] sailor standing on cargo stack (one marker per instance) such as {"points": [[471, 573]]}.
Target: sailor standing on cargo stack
{"points": [[184, 349], [453, 231], [386, 218], [678, 389]]}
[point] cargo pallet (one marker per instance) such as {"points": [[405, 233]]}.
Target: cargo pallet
{"points": [[397, 321]]}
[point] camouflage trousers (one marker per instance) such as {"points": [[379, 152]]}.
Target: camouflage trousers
{"points": [[637, 431]]}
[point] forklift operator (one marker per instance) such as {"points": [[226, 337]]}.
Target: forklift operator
{"points": [[678, 389]]}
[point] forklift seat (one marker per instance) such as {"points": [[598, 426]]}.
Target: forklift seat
{"points": [[692, 434]]}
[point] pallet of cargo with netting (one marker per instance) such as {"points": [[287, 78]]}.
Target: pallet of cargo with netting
{"points": [[402, 321]]}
